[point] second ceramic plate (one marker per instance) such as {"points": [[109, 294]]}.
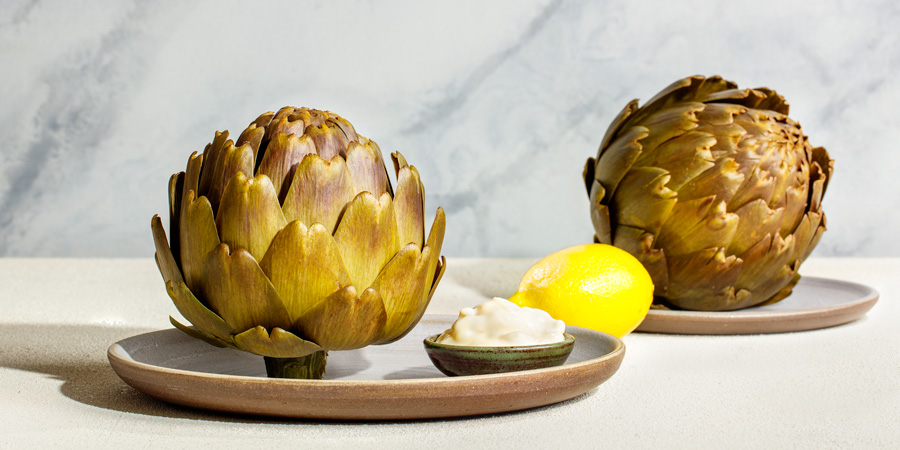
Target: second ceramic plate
{"points": [[386, 382], [815, 303]]}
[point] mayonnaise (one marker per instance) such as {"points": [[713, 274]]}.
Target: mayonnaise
{"points": [[501, 323]]}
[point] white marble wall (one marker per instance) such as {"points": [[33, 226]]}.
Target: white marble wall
{"points": [[497, 103]]}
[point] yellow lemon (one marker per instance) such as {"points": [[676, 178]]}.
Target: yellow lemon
{"points": [[593, 286]]}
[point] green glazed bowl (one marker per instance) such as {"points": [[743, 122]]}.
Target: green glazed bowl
{"points": [[458, 360]]}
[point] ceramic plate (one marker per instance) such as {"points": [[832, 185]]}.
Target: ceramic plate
{"points": [[395, 381], [815, 303]]}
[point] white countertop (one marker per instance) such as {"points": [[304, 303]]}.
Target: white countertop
{"points": [[832, 388]]}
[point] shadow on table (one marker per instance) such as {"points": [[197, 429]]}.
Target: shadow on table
{"points": [[76, 355]]}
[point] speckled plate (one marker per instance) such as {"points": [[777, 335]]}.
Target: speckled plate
{"points": [[388, 382], [815, 303]]}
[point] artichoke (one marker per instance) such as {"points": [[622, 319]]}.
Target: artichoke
{"points": [[292, 242], [714, 189]]}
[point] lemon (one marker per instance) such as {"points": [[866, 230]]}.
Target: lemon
{"points": [[593, 286]]}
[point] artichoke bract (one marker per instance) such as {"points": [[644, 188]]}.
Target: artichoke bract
{"points": [[292, 241], [714, 189]]}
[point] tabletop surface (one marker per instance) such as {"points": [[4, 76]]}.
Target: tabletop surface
{"points": [[830, 388]]}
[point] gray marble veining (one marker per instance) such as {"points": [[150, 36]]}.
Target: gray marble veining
{"points": [[497, 103]]}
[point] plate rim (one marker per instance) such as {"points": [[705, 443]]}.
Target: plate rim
{"points": [[746, 321], [124, 365]]}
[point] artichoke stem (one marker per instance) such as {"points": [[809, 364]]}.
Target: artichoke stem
{"points": [[309, 367]]}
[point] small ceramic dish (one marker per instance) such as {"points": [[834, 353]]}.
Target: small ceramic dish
{"points": [[458, 360]]}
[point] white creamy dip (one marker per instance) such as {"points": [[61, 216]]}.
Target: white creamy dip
{"points": [[501, 323]]}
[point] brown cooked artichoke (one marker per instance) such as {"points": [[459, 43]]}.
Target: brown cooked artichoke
{"points": [[714, 189]]}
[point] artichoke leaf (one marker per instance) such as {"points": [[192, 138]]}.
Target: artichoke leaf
{"points": [[305, 266], [780, 173], [288, 121], [176, 191], [399, 161], [702, 218], [401, 285], [721, 180], [757, 124], [345, 321], [767, 267], [704, 280], [367, 168], [309, 117], [684, 157], [436, 276], [601, 220], [319, 191], [773, 101], [600, 214], [716, 115], [709, 87], [329, 140], [256, 135], [213, 156], [234, 160], [825, 166], [434, 271], [345, 126], [409, 207], [202, 335], [676, 92], [283, 153], [795, 207], [164, 258], [784, 292], [192, 174], [234, 286], [732, 141], [817, 235], [818, 190], [670, 123], [435, 242], [698, 224], [618, 159], [196, 312], [758, 186], [262, 122], [252, 136], [588, 174], [374, 145], [684, 90], [367, 236], [278, 344], [617, 123], [755, 221], [642, 199], [805, 234], [198, 237], [439, 269], [640, 244], [702, 298], [749, 98], [250, 215]]}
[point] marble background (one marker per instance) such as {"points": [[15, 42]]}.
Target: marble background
{"points": [[497, 103]]}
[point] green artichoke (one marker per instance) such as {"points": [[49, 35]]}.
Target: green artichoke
{"points": [[714, 189], [292, 242]]}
